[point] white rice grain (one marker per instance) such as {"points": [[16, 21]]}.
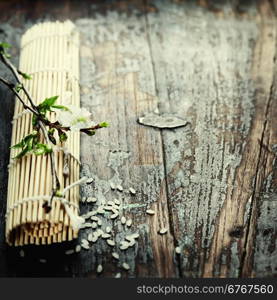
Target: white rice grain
{"points": [[115, 255], [99, 269], [125, 266]]}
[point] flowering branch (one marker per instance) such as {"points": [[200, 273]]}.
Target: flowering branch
{"points": [[68, 120], [13, 88], [5, 60]]}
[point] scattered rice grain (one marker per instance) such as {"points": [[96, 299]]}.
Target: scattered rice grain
{"points": [[124, 245], [115, 255], [99, 269], [114, 210], [94, 238], [91, 200], [99, 232], [119, 188], [85, 225], [89, 181], [135, 235], [85, 244], [114, 216], [116, 201], [129, 222], [178, 250], [93, 225], [111, 243], [109, 208], [78, 248], [129, 238], [106, 235], [132, 243], [132, 191], [100, 210], [125, 266], [90, 237], [163, 230], [90, 214], [84, 241]]}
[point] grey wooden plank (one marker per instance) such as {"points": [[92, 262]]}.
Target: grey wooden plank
{"points": [[5, 131], [6, 113], [261, 246], [204, 64], [115, 59]]}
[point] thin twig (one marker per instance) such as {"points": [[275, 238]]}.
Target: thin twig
{"points": [[58, 126], [14, 71], [12, 88], [55, 179]]}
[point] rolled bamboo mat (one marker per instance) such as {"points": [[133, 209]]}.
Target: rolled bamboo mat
{"points": [[50, 54]]}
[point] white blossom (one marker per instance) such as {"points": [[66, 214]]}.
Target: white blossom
{"points": [[75, 117]]}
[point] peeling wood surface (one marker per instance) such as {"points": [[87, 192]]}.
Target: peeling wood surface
{"points": [[212, 182]]}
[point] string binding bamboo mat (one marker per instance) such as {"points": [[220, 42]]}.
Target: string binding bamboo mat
{"points": [[50, 54]]}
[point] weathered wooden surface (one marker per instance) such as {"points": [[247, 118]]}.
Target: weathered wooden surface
{"points": [[212, 182]]}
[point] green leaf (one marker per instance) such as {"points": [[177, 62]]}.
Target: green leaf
{"points": [[22, 153], [42, 149], [39, 150], [18, 88], [34, 120], [46, 105], [28, 137], [48, 102], [62, 136], [58, 194], [17, 146], [23, 142], [90, 132], [26, 144], [5, 45], [60, 107], [25, 75], [30, 144], [104, 124], [48, 149]]}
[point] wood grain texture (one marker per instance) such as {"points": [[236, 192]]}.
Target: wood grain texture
{"points": [[126, 153], [212, 182], [213, 166]]}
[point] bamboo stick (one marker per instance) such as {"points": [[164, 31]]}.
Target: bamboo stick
{"points": [[50, 54]]}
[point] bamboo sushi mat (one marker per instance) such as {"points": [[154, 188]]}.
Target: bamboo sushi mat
{"points": [[50, 54]]}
